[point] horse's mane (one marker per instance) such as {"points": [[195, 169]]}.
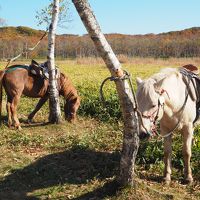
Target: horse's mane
{"points": [[67, 87], [63, 78], [164, 73]]}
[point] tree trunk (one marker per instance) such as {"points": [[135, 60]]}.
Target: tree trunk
{"points": [[130, 137], [54, 105]]}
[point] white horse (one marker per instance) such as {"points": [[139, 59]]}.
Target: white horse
{"points": [[172, 98]]}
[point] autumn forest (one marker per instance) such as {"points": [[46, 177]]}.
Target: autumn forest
{"points": [[185, 43]]}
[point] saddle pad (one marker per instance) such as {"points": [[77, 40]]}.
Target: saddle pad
{"points": [[15, 67]]}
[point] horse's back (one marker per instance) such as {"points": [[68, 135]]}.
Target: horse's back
{"points": [[14, 80], [19, 81]]}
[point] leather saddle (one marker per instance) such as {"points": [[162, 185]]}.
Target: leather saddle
{"points": [[42, 70], [191, 68]]}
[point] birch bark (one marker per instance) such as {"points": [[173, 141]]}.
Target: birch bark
{"points": [[54, 105], [130, 133]]}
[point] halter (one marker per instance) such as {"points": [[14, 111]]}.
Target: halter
{"points": [[155, 118], [161, 101]]}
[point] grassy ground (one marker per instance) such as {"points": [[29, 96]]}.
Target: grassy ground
{"points": [[81, 161]]}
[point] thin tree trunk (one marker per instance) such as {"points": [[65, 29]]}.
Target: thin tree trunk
{"points": [[54, 105], [130, 137]]}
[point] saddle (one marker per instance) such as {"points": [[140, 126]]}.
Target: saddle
{"points": [[191, 68], [35, 68], [41, 70]]}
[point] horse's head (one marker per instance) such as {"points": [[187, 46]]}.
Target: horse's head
{"points": [[72, 99], [70, 108], [150, 106]]}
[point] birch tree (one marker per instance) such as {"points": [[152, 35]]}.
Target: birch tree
{"points": [[54, 106], [130, 134]]}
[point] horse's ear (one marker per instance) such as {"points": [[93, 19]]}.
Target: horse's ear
{"points": [[157, 85], [138, 81]]}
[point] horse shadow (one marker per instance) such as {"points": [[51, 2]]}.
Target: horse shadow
{"points": [[75, 166], [24, 122]]}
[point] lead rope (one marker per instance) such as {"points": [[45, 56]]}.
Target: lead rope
{"points": [[27, 50], [135, 100], [127, 76]]}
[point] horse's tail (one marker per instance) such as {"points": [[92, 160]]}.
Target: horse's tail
{"points": [[2, 72]]}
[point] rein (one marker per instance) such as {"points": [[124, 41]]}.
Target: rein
{"points": [[161, 104], [126, 76], [189, 75]]}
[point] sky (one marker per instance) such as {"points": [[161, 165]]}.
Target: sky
{"points": [[114, 16]]}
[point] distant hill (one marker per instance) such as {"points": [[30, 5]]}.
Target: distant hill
{"points": [[184, 43], [23, 31], [19, 31]]}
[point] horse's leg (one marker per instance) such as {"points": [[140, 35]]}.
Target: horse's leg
{"points": [[14, 112], [187, 143], [167, 158], [40, 103], [8, 108]]}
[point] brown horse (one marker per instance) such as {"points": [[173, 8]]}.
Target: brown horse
{"points": [[18, 80]]}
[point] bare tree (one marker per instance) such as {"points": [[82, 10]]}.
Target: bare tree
{"points": [[2, 22], [55, 112], [130, 139]]}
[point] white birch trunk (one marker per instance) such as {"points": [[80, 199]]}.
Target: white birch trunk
{"points": [[54, 105], [130, 139]]}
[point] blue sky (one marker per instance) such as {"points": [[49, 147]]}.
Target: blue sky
{"points": [[114, 16]]}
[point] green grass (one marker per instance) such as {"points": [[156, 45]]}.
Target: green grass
{"points": [[81, 161]]}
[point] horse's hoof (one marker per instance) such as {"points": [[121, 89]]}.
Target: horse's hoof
{"points": [[10, 125], [188, 180], [19, 128], [167, 180]]}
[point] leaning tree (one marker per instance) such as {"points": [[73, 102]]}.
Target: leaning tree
{"points": [[130, 134]]}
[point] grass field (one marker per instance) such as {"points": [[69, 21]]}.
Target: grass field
{"points": [[81, 161]]}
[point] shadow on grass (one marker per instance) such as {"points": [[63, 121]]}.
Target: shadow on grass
{"points": [[109, 189], [33, 124], [149, 177], [75, 166], [24, 123]]}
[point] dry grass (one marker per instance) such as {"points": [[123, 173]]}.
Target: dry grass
{"points": [[167, 62], [170, 62], [89, 61]]}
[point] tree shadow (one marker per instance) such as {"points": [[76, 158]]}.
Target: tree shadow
{"points": [[109, 189], [75, 166]]}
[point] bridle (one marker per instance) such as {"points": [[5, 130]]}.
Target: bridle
{"points": [[161, 103], [155, 116]]}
